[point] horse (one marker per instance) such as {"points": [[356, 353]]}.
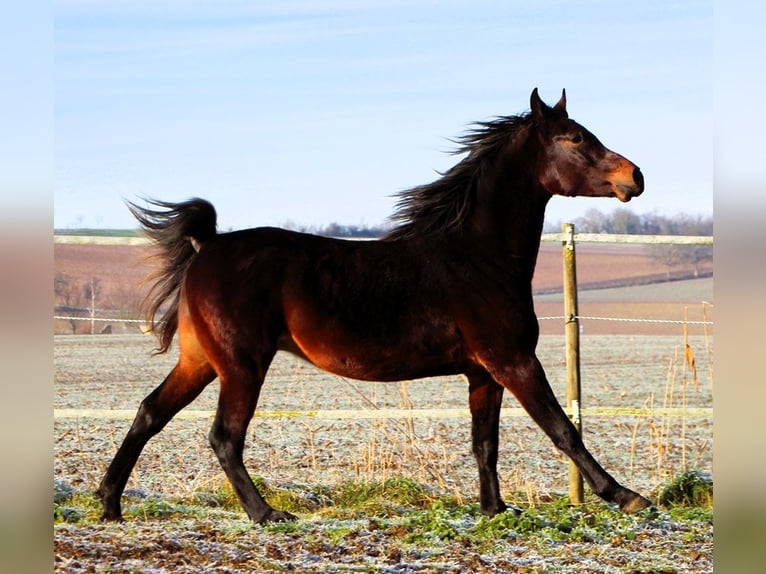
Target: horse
{"points": [[446, 292]]}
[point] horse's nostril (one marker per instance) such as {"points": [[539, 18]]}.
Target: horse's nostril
{"points": [[638, 177]]}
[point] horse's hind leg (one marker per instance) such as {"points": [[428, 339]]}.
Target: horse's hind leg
{"points": [[485, 400], [526, 379], [180, 387], [240, 388]]}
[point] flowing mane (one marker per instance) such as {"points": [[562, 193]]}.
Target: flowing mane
{"points": [[447, 203]]}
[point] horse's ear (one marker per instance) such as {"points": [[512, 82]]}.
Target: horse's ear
{"points": [[537, 106], [561, 105]]}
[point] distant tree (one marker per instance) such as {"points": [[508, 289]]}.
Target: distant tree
{"points": [[669, 255], [691, 225], [67, 296], [592, 222], [655, 224], [621, 220], [625, 221], [332, 230], [62, 288], [338, 230], [552, 226], [92, 292], [698, 254], [127, 299], [683, 224]]}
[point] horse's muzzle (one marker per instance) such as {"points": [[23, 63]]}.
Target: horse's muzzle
{"points": [[627, 190], [638, 179]]}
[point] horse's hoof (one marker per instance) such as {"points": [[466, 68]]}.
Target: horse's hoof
{"points": [[494, 509], [635, 504], [500, 509], [277, 516], [517, 510], [111, 517]]}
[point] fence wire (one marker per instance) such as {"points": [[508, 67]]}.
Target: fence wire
{"points": [[384, 414], [627, 320], [558, 317]]}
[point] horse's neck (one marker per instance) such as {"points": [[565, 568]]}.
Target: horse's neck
{"points": [[510, 221]]}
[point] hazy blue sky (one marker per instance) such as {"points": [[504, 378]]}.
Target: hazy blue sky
{"points": [[316, 112]]}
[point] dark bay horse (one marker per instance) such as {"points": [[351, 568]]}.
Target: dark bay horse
{"points": [[447, 291]]}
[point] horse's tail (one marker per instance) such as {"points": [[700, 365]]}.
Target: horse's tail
{"points": [[178, 231]]}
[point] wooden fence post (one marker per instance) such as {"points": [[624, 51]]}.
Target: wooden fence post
{"points": [[572, 336]]}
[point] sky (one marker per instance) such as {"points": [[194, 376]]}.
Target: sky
{"points": [[311, 112]]}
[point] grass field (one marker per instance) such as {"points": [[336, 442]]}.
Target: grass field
{"points": [[182, 516]]}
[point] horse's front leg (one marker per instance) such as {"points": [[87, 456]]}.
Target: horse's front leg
{"points": [[525, 378], [485, 399]]}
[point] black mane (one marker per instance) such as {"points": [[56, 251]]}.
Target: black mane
{"points": [[447, 203]]}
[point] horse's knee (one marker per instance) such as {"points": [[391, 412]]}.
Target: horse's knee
{"points": [[153, 413], [223, 444], [485, 452], [146, 418], [567, 439], [216, 438]]}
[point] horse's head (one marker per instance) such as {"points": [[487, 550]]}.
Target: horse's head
{"points": [[574, 162]]}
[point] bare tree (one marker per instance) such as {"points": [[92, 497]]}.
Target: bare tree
{"points": [[62, 287], [127, 299], [92, 292], [68, 297], [625, 221], [592, 222], [669, 255], [696, 255]]}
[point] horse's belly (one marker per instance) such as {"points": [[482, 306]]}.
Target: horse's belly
{"points": [[345, 365], [372, 360]]}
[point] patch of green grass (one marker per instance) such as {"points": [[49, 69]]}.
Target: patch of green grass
{"points": [[77, 509], [153, 508], [288, 528], [411, 514], [691, 489], [336, 534], [443, 521], [510, 525], [559, 521], [289, 500], [222, 497], [379, 498]]}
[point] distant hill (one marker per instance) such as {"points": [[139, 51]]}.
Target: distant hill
{"points": [[683, 291]]}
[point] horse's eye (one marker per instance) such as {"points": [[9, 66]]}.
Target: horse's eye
{"points": [[577, 138]]}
